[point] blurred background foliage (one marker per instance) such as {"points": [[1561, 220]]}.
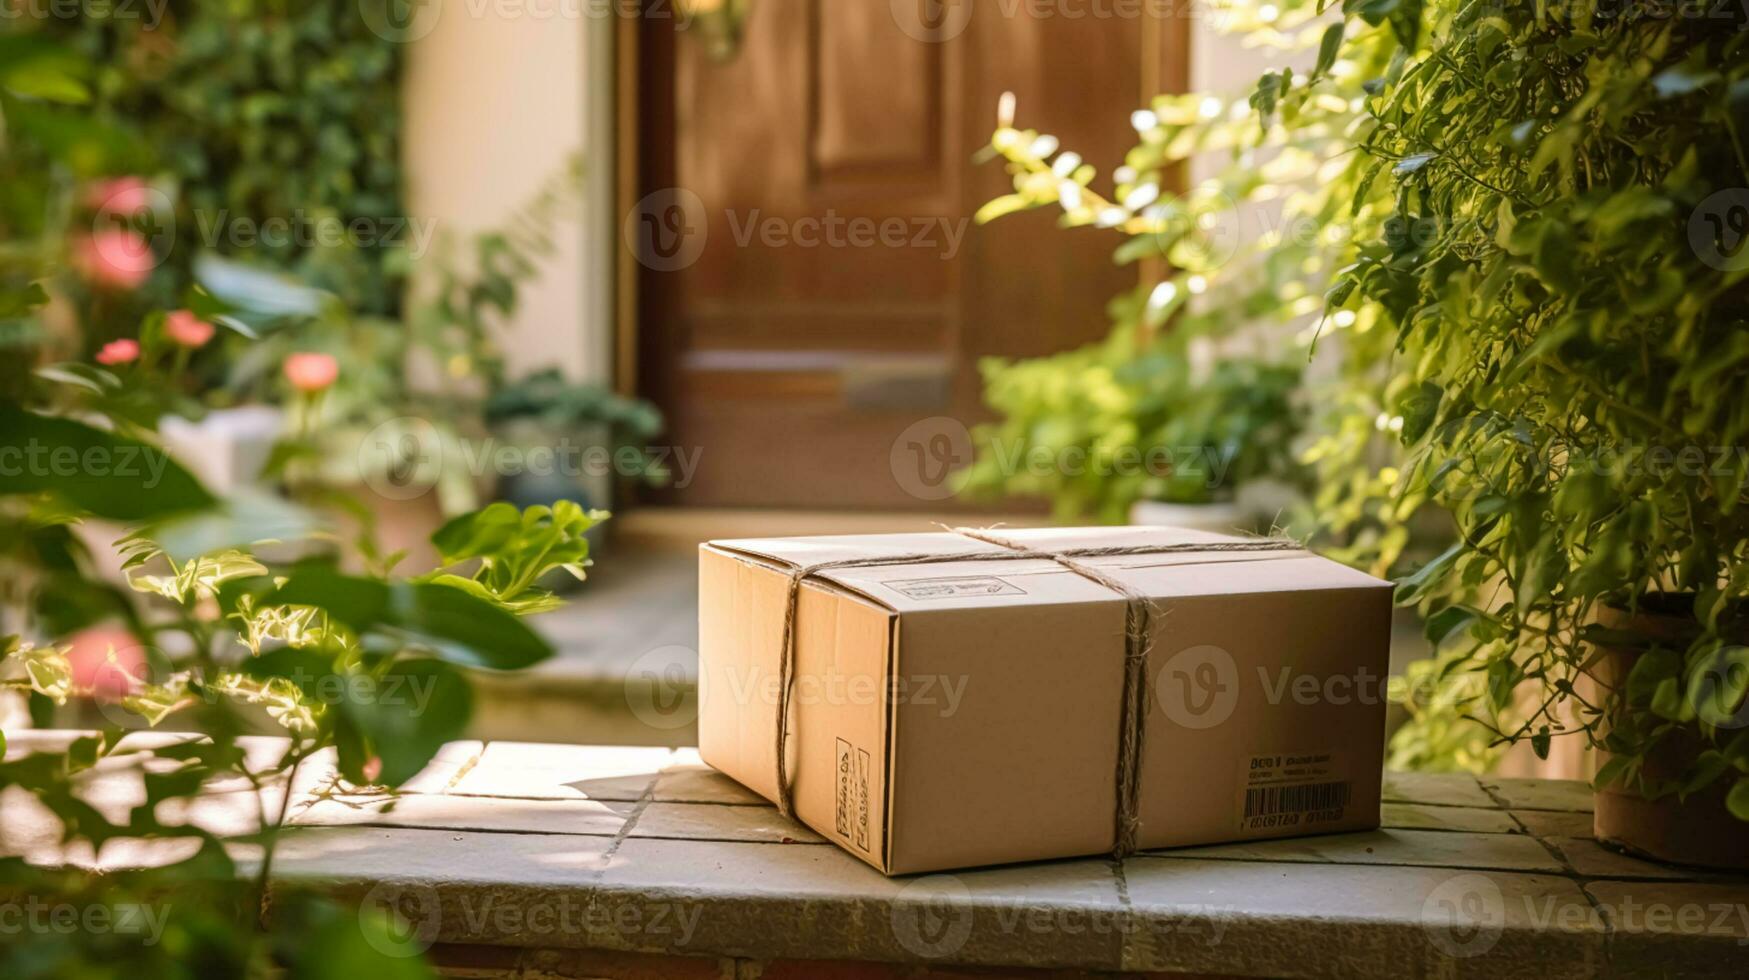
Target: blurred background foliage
{"points": [[231, 614], [252, 148], [261, 110]]}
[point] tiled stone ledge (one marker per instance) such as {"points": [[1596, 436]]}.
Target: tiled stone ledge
{"points": [[567, 860]]}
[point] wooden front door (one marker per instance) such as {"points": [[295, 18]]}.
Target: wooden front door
{"points": [[813, 298]]}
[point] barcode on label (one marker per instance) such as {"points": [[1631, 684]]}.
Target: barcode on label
{"points": [[1264, 801]]}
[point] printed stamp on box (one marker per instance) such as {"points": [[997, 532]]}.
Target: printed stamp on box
{"points": [[954, 587], [1292, 791], [851, 811]]}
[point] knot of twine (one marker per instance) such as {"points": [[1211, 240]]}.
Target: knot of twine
{"points": [[1138, 614]]}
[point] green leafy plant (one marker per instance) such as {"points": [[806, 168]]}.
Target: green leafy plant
{"points": [[224, 627], [368, 668], [1231, 272], [546, 404], [1099, 428], [515, 549], [1563, 276]]}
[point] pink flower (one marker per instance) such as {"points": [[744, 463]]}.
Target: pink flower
{"points": [[107, 662], [183, 327], [119, 195], [311, 372], [122, 351], [115, 258]]}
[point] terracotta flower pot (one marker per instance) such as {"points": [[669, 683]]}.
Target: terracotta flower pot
{"points": [[1696, 831]]}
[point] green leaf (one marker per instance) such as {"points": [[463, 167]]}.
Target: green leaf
{"points": [[45, 82], [32, 67], [414, 708], [49, 672], [244, 519], [1374, 12], [247, 289], [449, 622], [1628, 206], [1706, 769], [154, 703], [1539, 743], [1504, 676], [1690, 76], [1447, 621], [1412, 587], [1266, 95], [1555, 257], [479, 533], [1544, 567], [199, 577], [1328, 47], [1412, 163], [1610, 771], [1648, 672], [516, 548], [1668, 702], [17, 301], [96, 471], [319, 939], [86, 751], [1717, 685], [1737, 801], [1420, 410], [1002, 206]]}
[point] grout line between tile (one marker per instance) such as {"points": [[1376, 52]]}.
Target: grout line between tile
{"points": [[1127, 911], [631, 821], [1352, 864]]}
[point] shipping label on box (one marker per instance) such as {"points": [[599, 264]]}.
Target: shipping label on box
{"points": [[956, 702]]}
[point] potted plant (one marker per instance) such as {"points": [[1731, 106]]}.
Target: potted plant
{"points": [[580, 440], [1150, 435], [1564, 277]]}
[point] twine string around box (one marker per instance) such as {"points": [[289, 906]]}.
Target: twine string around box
{"points": [[1139, 609]]}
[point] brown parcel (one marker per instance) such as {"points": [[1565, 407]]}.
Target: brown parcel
{"points": [[949, 715]]}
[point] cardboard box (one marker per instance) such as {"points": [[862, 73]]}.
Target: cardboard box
{"points": [[949, 714]]}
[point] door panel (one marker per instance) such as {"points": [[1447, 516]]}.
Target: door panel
{"points": [[812, 288]]}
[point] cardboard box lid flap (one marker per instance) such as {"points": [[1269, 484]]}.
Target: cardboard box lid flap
{"points": [[844, 547], [939, 585]]}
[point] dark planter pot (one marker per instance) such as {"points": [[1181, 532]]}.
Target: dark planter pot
{"points": [[1696, 831], [587, 486]]}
